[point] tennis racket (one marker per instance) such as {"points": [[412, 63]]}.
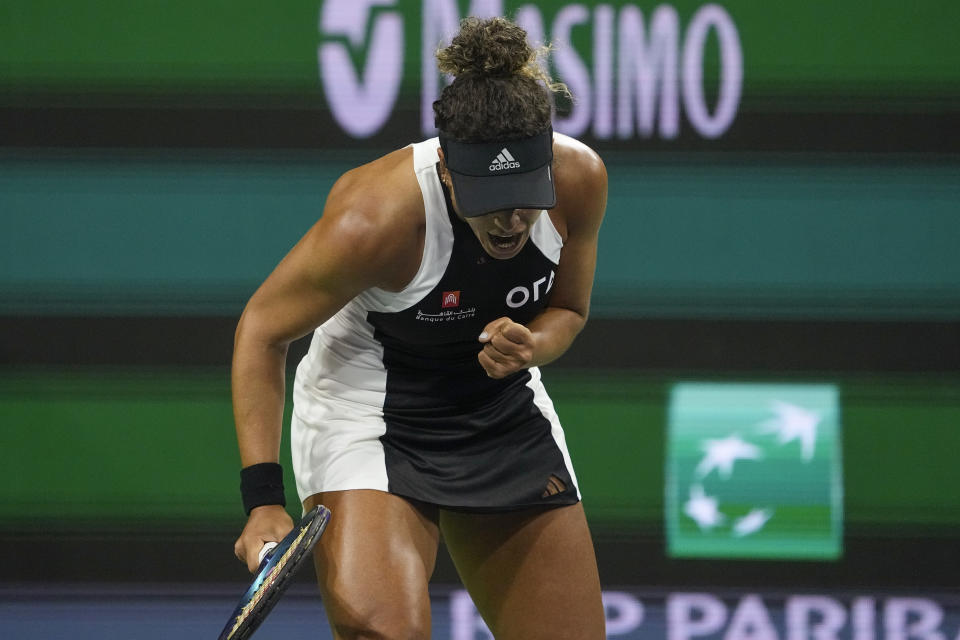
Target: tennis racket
{"points": [[279, 562]]}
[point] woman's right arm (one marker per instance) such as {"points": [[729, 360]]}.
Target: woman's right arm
{"points": [[357, 244]]}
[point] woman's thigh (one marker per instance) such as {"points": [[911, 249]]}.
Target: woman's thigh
{"points": [[532, 574], [374, 562]]}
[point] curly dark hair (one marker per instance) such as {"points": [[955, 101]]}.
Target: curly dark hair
{"points": [[500, 91]]}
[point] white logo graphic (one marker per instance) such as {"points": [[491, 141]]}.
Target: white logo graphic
{"points": [[752, 522], [721, 454], [519, 296], [504, 161], [361, 102], [638, 75], [703, 509], [793, 423], [789, 422]]}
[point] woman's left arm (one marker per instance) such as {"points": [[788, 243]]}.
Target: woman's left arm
{"points": [[581, 182]]}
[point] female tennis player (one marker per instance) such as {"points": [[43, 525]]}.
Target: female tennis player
{"points": [[437, 281]]}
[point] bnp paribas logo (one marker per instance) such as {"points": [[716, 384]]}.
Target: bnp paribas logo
{"points": [[754, 470]]}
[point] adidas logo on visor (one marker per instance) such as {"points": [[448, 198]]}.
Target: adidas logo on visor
{"points": [[504, 161]]}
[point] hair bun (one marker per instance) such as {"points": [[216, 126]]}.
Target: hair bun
{"points": [[491, 47]]}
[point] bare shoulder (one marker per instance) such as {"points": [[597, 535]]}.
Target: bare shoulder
{"points": [[574, 161], [374, 215], [382, 193], [581, 183]]}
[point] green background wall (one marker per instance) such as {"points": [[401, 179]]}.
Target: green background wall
{"points": [[100, 448], [134, 234], [157, 158], [178, 44]]}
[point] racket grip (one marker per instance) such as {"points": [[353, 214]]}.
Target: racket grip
{"points": [[265, 550]]}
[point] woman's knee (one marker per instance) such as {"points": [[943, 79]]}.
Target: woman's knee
{"points": [[373, 566], [384, 604], [369, 622]]}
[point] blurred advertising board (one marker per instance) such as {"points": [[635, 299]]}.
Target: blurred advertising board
{"points": [[754, 470]]}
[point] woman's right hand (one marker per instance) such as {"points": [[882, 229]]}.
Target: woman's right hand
{"points": [[269, 523]]}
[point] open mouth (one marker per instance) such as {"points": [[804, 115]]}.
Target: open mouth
{"points": [[504, 243]]}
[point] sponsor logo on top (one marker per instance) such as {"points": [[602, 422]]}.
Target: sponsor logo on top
{"points": [[451, 299]]}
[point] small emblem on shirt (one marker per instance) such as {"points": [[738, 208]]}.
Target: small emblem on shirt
{"points": [[451, 299]]}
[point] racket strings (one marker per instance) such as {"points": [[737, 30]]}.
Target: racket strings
{"points": [[268, 581]]}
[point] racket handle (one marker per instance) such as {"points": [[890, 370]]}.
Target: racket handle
{"points": [[265, 550]]}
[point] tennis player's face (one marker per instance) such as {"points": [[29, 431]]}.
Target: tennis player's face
{"points": [[502, 234]]}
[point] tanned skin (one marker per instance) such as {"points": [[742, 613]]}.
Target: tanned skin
{"points": [[532, 573]]}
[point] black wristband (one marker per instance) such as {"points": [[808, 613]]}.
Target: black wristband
{"points": [[261, 484]]}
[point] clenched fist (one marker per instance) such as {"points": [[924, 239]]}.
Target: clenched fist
{"points": [[507, 348]]}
